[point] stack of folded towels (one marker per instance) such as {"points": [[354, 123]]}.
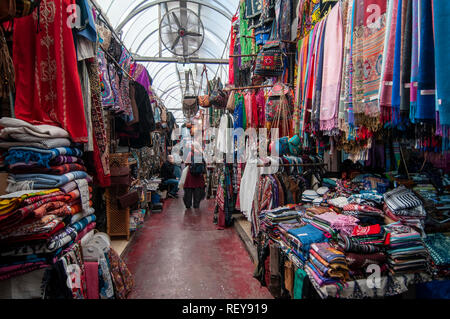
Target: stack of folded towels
{"points": [[327, 265], [401, 204], [49, 206], [406, 250]]}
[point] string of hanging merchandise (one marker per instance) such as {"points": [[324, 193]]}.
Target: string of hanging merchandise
{"points": [[253, 87], [252, 37], [302, 165]]}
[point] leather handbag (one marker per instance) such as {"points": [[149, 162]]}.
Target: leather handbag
{"points": [[190, 102], [204, 100], [230, 103], [190, 106], [218, 97], [128, 199], [120, 175]]}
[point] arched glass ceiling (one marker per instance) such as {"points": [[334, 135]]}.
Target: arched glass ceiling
{"points": [[137, 22]]}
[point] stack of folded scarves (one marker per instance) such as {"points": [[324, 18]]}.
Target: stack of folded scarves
{"points": [[49, 207], [438, 246], [327, 265], [368, 239], [332, 223], [406, 250], [401, 204], [366, 214], [301, 238]]}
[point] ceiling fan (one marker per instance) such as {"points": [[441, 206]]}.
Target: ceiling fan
{"points": [[181, 31]]}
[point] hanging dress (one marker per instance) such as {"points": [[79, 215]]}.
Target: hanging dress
{"points": [[47, 82]]}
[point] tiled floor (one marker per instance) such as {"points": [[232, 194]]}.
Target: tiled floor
{"points": [[179, 253]]}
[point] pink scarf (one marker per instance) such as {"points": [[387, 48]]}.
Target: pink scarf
{"points": [[332, 67]]}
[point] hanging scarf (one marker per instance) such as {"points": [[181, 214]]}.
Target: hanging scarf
{"points": [[441, 10], [332, 67], [388, 64], [344, 95], [396, 72], [414, 60], [426, 96], [406, 64]]}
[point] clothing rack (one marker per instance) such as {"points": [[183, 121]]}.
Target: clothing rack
{"points": [[252, 37], [253, 55], [254, 87], [105, 20], [118, 65], [302, 165]]}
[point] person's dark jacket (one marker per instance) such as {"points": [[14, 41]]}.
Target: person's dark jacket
{"points": [[167, 171]]}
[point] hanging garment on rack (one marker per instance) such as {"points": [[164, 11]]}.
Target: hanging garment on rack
{"points": [[406, 64], [47, 83], [233, 37], [332, 67], [426, 90], [101, 144], [414, 60], [367, 55], [107, 93], [441, 10]]}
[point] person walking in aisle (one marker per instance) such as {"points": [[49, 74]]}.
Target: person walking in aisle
{"points": [[194, 185]]}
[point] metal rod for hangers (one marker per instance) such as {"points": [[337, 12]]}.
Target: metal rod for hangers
{"points": [[303, 165], [253, 87], [250, 55], [105, 19], [119, 66]]}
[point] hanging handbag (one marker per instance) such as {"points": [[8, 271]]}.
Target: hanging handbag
{"points": [[218, 97], [128, 199], [203, 100], [120, 175], [269, 61], [231, 102], [190, 103]]}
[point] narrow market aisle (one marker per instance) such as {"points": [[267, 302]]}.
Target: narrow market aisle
{"points": [[179, 253]]}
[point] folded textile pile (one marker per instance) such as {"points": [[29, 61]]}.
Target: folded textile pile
{"points": [[401, 204], [438, 246], [301, 238], [332, 223], [309, 196], [367, 215], [406, 250], [269, 219], [369, 239], [48, 208], [327, 265]]}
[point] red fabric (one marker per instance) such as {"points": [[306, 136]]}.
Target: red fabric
{"points": [[48, 89], [232, 43], [194, 181], [92, 279], [366, 231]]}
